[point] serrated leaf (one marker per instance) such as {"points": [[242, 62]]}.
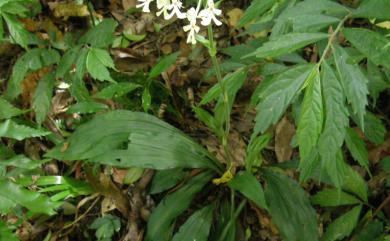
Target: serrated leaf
{"points": [[312, 22], [336, 116], [197, 227], [343, 226], [253, 150], [277, 95], [116, 90], [42, 97], [19, 132], [376, 51], [336, 169], [377, 82], [357, 147], [173, 205], [375, 130], [133, 139], [373, 9], [97, 62], [105, 227], [18, 34], [163, 65], [165, 179], [286, 44], [354, 183], [7, 110], [333, 197], [255, 10], [67, 61], [290, 208], [371, 231], [354, 82], [310, 120], [101, 35], [31, 200], [250, 187]]}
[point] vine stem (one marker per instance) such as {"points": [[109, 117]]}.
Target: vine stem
{"points": [[225, 96], [331, 39]]}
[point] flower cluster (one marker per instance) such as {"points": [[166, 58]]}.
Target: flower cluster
{"points": [[170, 8]]}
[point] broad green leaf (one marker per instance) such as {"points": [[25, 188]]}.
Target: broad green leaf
{"points": [[42, 97], [207, 119], [13, 130], [354, 82], [132, 139], [336, 169], [163, 65], [101, 35], [376, 51], [197, 227], [133, 175], [116, 90], [385, 164], [250, 187], [377, 82], [165, 179], [255, 10], [21, 161], [7, 110], [33, 201], [336, 116], [290, 208], [374, 131], [310, 120], [354, 183], [277, 95], [286, 44], [172, 206], [87, 107], [357, 147], [371, 231], [333, 197], [97, 62], [6, 234], [373, 9], [81, 63], [343, 226], [18, 34]]}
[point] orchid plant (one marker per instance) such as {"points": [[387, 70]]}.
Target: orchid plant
{"points": [[171, 8], [206, 16]]}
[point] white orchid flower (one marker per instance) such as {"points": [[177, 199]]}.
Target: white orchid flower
{"points": [[162, 5], [192, 28], [209, 14], [175, 7], [144, 4]]}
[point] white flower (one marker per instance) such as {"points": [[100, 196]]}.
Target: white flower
{"points": [[175, 7], [209, 14], [192, 28], [144, 4], [162, 5]]}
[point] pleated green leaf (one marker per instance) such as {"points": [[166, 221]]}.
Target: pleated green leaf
{"points": [[132, 139], [290, 208], [163, 217], [250, 187], [197, 227]]}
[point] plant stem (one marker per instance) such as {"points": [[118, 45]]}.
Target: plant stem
{"points": [[232, 220], [225, 96], [331, 39]]}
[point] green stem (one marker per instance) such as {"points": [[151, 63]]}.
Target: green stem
{"points": [[331, 39], [225, 96], [232, 220]]}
